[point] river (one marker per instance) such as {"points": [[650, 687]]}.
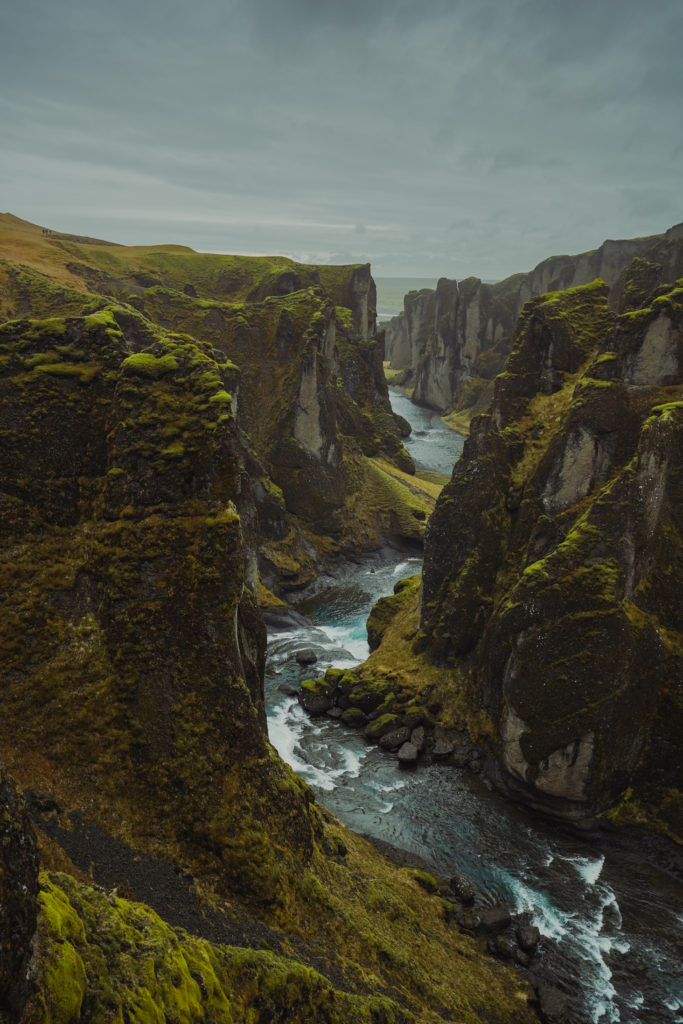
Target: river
{"points": [[610, 913]]}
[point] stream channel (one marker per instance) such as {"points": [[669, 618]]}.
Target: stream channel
{"points": [[609, 911]]}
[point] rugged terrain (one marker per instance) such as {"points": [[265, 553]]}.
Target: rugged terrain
{"points": [[451, 342], [546, 639], [308, 388], [132, 649]]}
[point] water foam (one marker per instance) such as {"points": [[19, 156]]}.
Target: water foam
{"points": [[589, 870], [356, 646], [286, 725]]}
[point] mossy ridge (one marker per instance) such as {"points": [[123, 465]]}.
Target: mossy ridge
{"points": [[122, 573], [270, 316], [100, 957], [544, 592], [399, 678]]}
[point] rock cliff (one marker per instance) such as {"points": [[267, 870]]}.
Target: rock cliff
{"points": [[18, 892], [131, 651], [551, 558], [310, 396], [452, 342]]}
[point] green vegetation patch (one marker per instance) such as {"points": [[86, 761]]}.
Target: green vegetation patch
{"points": [[145, 364]]}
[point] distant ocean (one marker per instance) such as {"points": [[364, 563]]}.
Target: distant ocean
{"points": [[390, 292]]}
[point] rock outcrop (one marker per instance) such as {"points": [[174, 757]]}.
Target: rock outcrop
{"points": [[551, 558], [452, 342], [18, 899], [131, 653], [310, 395]]}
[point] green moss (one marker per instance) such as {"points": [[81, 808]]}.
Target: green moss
{"points": [[221, 398], [145, 364], [424, 879]]}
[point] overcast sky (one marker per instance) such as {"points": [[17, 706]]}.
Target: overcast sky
{"points": [[431, 137]]}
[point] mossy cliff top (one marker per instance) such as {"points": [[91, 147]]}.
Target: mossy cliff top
{"points": [[98, 957], [131, 647], [451, 342], [132, 710], [551, 560], [310, 394]]}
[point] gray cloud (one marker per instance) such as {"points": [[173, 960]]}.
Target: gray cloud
{"points": [[462, 136]]}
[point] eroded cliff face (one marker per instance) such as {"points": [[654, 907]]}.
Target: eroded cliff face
{"points": [[18, 893], [453, 341], [132, 649], [551, 560], [310, 395]]}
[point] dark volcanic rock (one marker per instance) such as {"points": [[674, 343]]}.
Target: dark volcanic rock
{"points": [[462, 889], [394, 739], [553, 1004], [408, 754], [306, 656], [18, 896], [528, 937], [564, 610], [493, 919]]}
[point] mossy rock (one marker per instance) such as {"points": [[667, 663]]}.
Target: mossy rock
{"points": [[382, 725]]}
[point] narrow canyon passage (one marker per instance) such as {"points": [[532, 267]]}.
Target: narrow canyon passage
{"points": [[611, 934]]}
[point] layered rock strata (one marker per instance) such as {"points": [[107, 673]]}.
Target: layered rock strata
{"points": [[552, 555], [452, 342], [131, 652]]}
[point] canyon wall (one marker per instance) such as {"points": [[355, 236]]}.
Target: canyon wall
{"points": [[552, 557], [452, 342]]}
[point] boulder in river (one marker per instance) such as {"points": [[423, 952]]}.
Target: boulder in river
{"points": [[381, 726], [553, 1004], [493, 919], [528, 937], [408, 754], [394, 739], [316, 696], [462, 889], [442, 748], [354, 717], [306, 656]]}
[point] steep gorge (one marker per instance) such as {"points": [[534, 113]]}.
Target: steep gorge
{"points": [[549, 612], [450, 343], [132, 658]]}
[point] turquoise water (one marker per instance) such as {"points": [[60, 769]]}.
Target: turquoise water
{"points": [[609, 912]]}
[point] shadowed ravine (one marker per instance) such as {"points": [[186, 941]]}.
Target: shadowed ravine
{"points": [[606, 909]]}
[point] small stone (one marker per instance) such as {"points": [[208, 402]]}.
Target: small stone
{"points": [[354, 717], [381, 726], [417, 737], [528, 937], [553, 1004], [442, 748], [408, 754], [307, 656], [334, 712], [522, 958], [462, 752], [494, 919], [503, 947], [288, 689], [469, 919], [394, 739], [463, 890]]}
